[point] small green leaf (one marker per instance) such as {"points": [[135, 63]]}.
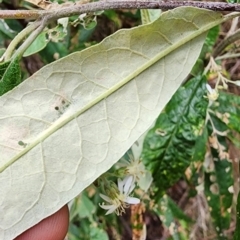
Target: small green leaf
{"points": [[10, 75], [177, 212], [170, 145], [39, 43]]}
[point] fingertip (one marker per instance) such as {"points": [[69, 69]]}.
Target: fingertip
{"points": [[54, 227]]}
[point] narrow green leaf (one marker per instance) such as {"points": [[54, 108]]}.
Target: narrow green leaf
{"points": [[170, 144], [177, 212]]}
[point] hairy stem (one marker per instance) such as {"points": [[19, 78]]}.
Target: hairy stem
{"points": [[76, 9]]}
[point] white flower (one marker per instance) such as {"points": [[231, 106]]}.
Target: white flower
{"points": [[120, 200], [213, 93], [134, 167]]}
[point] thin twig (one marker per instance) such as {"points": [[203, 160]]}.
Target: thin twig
{"points": [[226, 42], [234, 27], [76, 9], [21, 14], [227, 56]]}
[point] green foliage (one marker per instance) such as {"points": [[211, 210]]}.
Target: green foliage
{"points": [[190, 139], [210, 41], [172, 216], [39, 43], [6, 31], [227, 109], [10, 75], [83, 213], [83, 207], [200, 146], [170, 144]]}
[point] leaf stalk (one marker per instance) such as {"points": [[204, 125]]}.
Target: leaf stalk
{"points": [[20, 37]]}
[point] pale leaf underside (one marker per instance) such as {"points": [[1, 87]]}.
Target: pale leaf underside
{"points": [[67, 124]]}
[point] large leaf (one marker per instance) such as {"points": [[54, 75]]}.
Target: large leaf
{"points": [[170, 145], [72, 120]]}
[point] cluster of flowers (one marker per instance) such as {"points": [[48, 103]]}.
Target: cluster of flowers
{"points": [[213, 94], [118, 196]]}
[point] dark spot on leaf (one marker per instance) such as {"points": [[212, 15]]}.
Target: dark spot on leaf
{"points": [[21, 143], [56, 108]]}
